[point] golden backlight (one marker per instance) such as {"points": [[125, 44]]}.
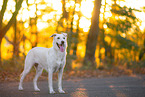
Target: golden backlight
{"points": [[86, 8], [35, 8]]}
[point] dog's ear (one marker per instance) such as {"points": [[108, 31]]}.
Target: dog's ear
{"points": [[65, 34], [53, 35]]}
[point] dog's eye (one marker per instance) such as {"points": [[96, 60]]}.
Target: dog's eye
{"points": [[58, 37], [63, 37]]}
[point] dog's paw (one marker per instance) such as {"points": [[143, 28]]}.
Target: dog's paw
{"points": [[52, 92], [37, 90], [20, 88], [61, 91]]}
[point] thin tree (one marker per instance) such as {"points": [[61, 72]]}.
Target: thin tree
{"points": [[92, 36], [77, 30]]}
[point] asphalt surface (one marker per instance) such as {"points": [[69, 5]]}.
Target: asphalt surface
{"points": [[94, 87]]}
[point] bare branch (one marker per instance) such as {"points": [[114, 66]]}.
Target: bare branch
{"points": [[3, 11], [6, 28], [8, 40]]}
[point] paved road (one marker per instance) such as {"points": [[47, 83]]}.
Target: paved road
{"points": [[94, 87]]}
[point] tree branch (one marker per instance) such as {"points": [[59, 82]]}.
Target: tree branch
{"points": [[8, 40], [6, 28], [2, 11]]}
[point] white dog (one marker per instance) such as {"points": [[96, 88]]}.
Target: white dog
{"points": [[51, 59]]}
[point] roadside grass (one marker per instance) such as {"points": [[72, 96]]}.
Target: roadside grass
{"points": [[11, 70]]}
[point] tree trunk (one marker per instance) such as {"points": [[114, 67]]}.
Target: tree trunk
{"points": [[64, 16], [0, 53], [77, 33], [76, 39], [92, 36], [70, 33], [15, 41]]}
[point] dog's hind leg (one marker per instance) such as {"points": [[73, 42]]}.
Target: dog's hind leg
{"points": [[39, 70], [27, 67]]}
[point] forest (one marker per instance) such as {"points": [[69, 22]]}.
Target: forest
{"points": [[105, 37]]}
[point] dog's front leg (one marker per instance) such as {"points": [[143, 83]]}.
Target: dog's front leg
{"points": [[50, 78], [60, 81]]}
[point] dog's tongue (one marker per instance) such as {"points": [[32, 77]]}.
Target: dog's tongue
{"points": [[61, 48]]}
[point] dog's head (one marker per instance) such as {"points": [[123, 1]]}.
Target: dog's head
{"points": [[60, 41]]}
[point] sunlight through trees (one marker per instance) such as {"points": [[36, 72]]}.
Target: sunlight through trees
{"points": [[99, 31]]}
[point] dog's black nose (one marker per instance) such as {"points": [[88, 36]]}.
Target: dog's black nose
{"points": [[62, 42]]}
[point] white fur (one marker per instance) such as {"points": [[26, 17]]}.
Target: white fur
{"points": [[50, 59]]}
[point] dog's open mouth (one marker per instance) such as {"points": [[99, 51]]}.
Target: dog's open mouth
{"points": [[61, 46]]}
